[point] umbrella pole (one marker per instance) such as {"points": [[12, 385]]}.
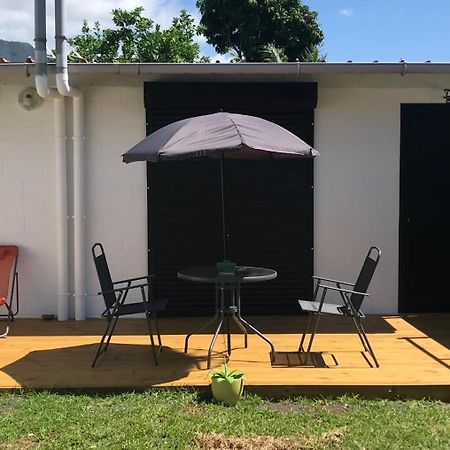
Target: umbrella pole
{"points": [[224, 227]]}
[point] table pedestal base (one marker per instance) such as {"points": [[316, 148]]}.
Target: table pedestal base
{"points": [[228, 306]]}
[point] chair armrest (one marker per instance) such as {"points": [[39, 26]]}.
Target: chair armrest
{"points": [[333, 281], [125, 288], [347, 291], [135, 279]]}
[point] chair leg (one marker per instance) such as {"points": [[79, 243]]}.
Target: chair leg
{"points": [[111, 332], [9, 319], [300, 346], [101, 348], [5, 333], [311, 339], [367, 345], [16, 288], [360, 333], [152, 340], [158, 332]]}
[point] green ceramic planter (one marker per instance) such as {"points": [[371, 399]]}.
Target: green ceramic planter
{"points": [[227, 391]]}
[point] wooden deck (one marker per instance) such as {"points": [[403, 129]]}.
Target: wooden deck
{"points": [[413, 352]]}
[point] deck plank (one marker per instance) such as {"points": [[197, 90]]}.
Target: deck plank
{"points": [[413, 352]]}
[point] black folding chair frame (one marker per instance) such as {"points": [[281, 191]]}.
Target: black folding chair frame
{"points": [[112, 313], [348, 309]]}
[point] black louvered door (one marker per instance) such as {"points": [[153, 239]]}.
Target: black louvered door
{"points": [[424, 212], [269, 203]]}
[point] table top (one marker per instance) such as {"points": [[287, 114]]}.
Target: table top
{"points": [[243, 274]]}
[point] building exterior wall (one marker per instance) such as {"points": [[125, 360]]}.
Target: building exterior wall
{"points": [[115, 193], [27, 198], [357, 131]]}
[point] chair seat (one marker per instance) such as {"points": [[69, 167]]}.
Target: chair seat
{"points": [[141, 307], [327, 308]]}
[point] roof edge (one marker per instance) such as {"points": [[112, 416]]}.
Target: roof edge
{"points": [[282, 69], [402, 67]]}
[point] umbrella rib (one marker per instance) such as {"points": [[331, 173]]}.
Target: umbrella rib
{"points": [[237, 130]]}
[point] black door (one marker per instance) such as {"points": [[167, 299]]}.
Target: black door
{"points": [[424, 208], [269, 203]]}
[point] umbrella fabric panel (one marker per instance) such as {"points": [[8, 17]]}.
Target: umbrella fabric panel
{"points": [[257, 133], [202, 136], [187, 138], [233, 135], [145, 151]]}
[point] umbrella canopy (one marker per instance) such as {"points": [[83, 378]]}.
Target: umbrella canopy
{"points": [[220, 135], [217, 135]]}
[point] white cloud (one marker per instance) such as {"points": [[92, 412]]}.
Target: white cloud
{"points": [[346, 12], [17, 16], [15, 19], [200, 39]]}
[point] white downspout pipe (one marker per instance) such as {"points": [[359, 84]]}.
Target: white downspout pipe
{"points": [[62, 83], [42, 88]]}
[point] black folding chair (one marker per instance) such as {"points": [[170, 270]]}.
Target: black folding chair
{"points": [[352, 297], [115, 293]]}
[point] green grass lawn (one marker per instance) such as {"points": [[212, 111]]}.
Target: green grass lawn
{"points": [[163, 419]]}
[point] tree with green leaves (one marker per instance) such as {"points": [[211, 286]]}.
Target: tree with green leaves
{"points": [[258, 30], [136, 38]]}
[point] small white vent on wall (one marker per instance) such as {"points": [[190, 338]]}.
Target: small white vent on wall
{"points": [[29, 99]]}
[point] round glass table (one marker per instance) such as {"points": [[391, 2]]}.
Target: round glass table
{"points": [[228, 300]]}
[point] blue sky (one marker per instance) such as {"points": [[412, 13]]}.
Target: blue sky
{"points": [[357, 30], [384, 30]]}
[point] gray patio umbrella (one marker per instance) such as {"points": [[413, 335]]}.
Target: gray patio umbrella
{"points": [[220, 135]]}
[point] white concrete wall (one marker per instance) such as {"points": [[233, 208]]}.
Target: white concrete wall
{"points": [[357, 131], [27, 198], [116, 192]]}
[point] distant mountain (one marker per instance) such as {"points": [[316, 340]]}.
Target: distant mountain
{"points": [[15, 51]]}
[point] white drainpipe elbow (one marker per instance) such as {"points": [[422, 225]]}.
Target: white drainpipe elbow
{"points": [[62, 84], [41, 83], [62, 75]]}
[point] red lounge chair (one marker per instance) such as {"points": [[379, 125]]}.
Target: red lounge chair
{"points": [[9, 282]]}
